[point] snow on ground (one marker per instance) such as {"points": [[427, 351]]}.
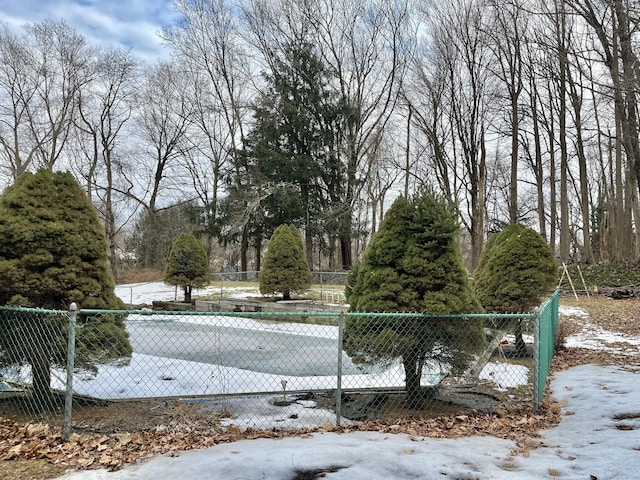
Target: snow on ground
{"points": [[146, 292], [598, 438], [594, 337], [568, 311], [505, 375]]}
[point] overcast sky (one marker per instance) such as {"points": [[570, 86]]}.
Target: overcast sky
{"points": [[130, 24]]}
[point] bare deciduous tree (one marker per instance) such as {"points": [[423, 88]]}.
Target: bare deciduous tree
{"points": [[210, 42], [460, 39], [154, 180], [104, 110], [42, 73]]}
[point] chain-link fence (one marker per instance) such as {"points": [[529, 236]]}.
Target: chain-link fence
{"points": [[546, 329], [135, 370]]}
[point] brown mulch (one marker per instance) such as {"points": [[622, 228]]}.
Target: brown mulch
{"points": [[38, 451]]}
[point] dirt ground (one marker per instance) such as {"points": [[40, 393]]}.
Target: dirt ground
{"points": [[115, 434]]}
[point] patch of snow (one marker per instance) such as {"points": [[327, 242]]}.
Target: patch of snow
{"points": [[599, 437], [571, 311], [505, 375], [594, 337]]}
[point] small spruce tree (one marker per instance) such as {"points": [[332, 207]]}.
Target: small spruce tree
{"points": [[53, 251], [413, 264], [515, 270], [188, 265], [285, 268]]}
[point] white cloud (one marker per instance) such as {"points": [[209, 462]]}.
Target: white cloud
{"points": [[134, 24]]}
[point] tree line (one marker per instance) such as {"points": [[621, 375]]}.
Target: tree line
{"points": [[318, 113]]}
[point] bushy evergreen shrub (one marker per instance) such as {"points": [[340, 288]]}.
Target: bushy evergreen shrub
{"points": [[188, 265], [285, 268], [53, 251], [413, 264], [516, 269]]}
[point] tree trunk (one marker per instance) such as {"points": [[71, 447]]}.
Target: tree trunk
{"points": [[258, 254], [562, 114], [308, 247], [576, 102], [43, 399], [538, 163], [345, 252], [513, 184], [479, 206], [412, 363], [521, 347], [244, 247]]}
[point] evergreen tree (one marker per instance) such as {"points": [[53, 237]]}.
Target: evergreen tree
{"points": [[188, 265], [53, 251], [515, 270], [291, 159], [285, 269], [413, 264]]}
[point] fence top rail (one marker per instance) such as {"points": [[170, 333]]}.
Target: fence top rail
{"points": [[191, 313], [442, 315], [148, 312], [45, 311]]}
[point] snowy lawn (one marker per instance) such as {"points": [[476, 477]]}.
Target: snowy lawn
{"points": [[598, 438]]}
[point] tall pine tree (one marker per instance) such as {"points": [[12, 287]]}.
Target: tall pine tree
{"points": [[292, 160]]}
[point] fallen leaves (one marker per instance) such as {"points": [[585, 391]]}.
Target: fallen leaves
{"points": [[517, 424], [113, 451], [37, 441]]}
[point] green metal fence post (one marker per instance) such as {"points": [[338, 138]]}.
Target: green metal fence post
{"points": [[536, 360]]}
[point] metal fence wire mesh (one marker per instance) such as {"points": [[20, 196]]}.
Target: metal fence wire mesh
{"points": [[546, 330], [262, 370], [33, 356]]}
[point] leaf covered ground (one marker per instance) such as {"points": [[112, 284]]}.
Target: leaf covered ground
{"points": [[38, 451]]}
